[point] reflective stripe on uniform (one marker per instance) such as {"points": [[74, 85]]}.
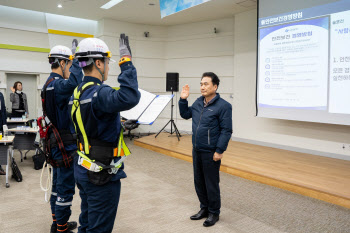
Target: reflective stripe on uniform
{"points": [[85, 101], [53, 194], [63, 203]]}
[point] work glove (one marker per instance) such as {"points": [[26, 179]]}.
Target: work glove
{"points": [[124, 47], [131, 124], [74, 45]]}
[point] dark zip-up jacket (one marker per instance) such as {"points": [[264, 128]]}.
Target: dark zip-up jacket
{"points": [[62, 90], [3, 116], [211, 125]]}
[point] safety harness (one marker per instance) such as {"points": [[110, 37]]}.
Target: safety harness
{"points": [[95, 155], [54, 137]]}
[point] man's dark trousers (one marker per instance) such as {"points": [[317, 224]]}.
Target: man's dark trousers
{"points": [[206, 180]]}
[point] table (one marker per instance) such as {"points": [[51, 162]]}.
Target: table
{"points": [[6, 154], [27, 130], [17, 121], [14, 123], [24, 141]]}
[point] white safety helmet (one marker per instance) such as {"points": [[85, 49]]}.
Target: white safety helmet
{"points": [[91, 48], [61, 52]]}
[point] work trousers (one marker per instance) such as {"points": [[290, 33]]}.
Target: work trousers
{"points": [[99, 204], [206, 180], [63, 189]]}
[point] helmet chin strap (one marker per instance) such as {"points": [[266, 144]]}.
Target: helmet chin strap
{"points": [[104, 69], [62, 68]]}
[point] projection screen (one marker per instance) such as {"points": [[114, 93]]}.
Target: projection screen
{"points": [[303, 60]]}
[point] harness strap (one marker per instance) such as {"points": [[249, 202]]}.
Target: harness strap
{"points": [[66, 159], [67, 139], [84, 146], [76, 113]]}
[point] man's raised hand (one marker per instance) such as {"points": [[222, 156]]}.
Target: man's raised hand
{"points": [[185, 92]]}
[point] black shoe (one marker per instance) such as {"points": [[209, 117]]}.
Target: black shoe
{"points": [[66, 231], [53, 228], [211, 220], [72, 225], [201, 214]]}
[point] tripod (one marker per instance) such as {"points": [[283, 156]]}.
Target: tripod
{"points": [[171, 121]]}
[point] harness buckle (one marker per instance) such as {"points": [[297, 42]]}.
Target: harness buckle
{"points": [[117, 165], [89, 165]]}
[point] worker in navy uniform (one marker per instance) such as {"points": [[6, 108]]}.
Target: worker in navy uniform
{"points": [[66, 75], [212, 128], [3, 114], [95, 113], [3, 121]]}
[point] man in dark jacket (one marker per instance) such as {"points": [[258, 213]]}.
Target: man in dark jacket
{"points": [[211, 132]]}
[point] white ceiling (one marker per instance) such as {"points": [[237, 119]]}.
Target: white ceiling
{"points": [[135, 11]]}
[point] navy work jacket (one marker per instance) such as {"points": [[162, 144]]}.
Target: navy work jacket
{"points": [[3, 116], [63, 89], [211, 125], [100, 106]]}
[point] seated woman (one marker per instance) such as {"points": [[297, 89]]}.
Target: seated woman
{"points": [[19, 100]]}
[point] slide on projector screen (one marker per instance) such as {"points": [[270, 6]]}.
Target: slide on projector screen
{"points": [[303, 70]]}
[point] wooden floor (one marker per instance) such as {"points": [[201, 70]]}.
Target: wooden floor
{"points": [[319, 177]]}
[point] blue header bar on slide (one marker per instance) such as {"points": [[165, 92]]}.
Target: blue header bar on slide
{"points": [[307, 13]]}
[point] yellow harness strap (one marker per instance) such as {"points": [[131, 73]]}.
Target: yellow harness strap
{"points": [[76, 110], [122, 149]]}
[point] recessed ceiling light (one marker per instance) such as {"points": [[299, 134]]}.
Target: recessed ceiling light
{"points": [[59, 5], [111, 4]]}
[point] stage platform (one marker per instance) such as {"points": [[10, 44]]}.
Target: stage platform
{"points": [[323, 178]]}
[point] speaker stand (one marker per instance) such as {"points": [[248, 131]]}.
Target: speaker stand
{"points": [[171, 121]]}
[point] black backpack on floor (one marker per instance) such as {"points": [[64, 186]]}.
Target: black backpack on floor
{"points": [[16, 173], [38, 160]]}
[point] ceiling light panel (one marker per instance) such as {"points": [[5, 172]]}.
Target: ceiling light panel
{"points": [[111, 4]]}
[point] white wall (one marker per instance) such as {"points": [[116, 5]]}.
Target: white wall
{"points": [[30, 28], [193, 49]]}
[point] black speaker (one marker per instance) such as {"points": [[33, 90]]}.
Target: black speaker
{"points": [[172, 82]]}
